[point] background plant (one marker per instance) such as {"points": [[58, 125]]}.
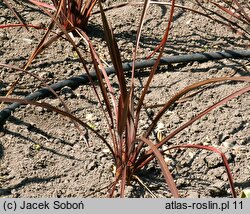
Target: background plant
{"points": [[71, 13], [232, 13]]}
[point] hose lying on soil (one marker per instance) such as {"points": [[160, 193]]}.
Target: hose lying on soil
{"points": [[76, 81]]}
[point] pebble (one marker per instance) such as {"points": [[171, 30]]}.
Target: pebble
{"points": [[176, 119], [67, 92], [70, 72], [228, 143], [217, 189], [68, 148], [3, 36], [38, 23], [92, 165], [218, 172], [103, 160], [28, 41], [129, 191], [55, 102], [100, 156], [237, 113], [181, 182], [57, 141], [2, 20], [43, 75], [91, 117], [195, 128], [106, 151], [160, 127], [224, 137], [213, 160], [192, 194], [40, 109]]}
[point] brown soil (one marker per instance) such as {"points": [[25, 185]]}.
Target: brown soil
{"points": [[42, 153]]}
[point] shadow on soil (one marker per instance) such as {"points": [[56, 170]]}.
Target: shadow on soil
{"points": [[40, 132], [24, 183], [1, 151]]}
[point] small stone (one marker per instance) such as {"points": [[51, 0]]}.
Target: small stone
{"points": [[28, 41], [56, 141], [67, 92], [40, 109], [176, 119], [168, 160], [129, 191], [56, 102], [92, 165], [2, 20], [90, 117], [70, 72], [195, 128], [79, 95], [192, 194], [103, 160], [43, 75], [218, 172], [3, 36], [100, 155], [68, 148], [237, 113], [217, 189], [38, 23], [224, 137], [206, 141], [213, 160], [181, 182], [228, 143], [106, 151]]}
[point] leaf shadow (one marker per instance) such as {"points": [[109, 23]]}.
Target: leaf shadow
{"points": [[25, 182]]}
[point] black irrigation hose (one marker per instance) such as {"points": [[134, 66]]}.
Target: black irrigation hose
{"points": [[76, 81]]}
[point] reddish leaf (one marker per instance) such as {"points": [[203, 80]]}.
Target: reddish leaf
{"points": [[167, 174], [152, 73], [185, 91], [148, 156], [15, 13], [224, 159], [59, 111], [42, 4]]}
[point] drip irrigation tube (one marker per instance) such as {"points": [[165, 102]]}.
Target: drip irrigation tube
{"points": [[76, 81]]}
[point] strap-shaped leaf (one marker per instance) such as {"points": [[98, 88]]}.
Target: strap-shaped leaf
{"points": [[224, 159], [148, 156], [165, 170], [185, 91], [114, 54], [59, 111]]}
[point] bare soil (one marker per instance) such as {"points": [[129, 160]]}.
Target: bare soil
{"points": [[42, 153]]}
